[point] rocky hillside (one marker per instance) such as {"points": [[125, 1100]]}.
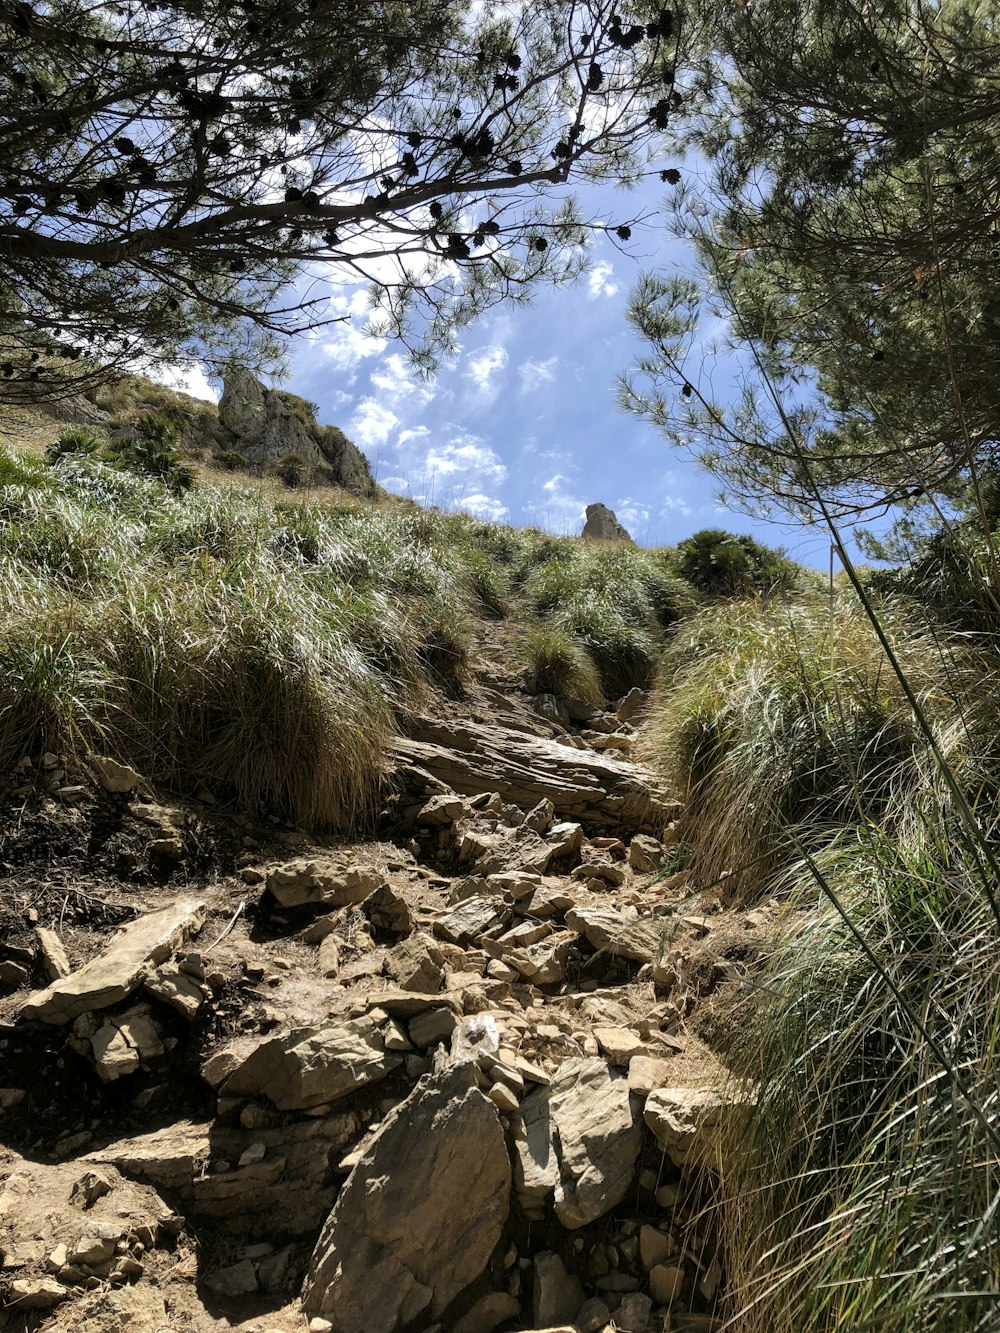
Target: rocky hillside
{"points": [[457, 1077]]}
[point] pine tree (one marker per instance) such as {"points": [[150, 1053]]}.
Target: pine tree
{"points": [[169, 170], [849, 241]]}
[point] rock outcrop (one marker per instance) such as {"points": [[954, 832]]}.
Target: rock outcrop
{"points": [[602, 525], [262, 426], [598, 790], [420, 1214]]}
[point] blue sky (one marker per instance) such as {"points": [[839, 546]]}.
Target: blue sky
{"points": [[523, 427]]}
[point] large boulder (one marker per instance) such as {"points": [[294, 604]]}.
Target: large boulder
{"points": [[577, 1141], [420, 1214], [262, 425], [313, 1066], [602, 525]]}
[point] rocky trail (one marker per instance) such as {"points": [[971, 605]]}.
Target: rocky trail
{"points": [[464, 1076]]}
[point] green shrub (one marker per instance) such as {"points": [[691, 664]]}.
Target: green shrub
{"points": [[559, 664], [150, 448], [722, 564], [232, 460], [300, 408], [293, 470], [77, 441], [775, 721]]}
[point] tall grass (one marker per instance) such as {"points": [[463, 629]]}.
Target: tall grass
{"points": [[210, 641], [781, 722], [861, 1189], [263, 647], [864, 1186]]}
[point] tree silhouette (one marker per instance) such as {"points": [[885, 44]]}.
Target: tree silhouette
{"points": [[172, 173]]}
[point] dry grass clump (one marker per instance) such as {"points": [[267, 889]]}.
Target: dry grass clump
{"points": [[559, 664], [863, 1186], [217, 640], [777, 722]]}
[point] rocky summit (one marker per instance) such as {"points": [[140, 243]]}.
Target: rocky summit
{"points": [[458, 1077]]}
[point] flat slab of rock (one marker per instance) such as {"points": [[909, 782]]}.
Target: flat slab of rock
{"points": [[595, 789], [330, 882], [643, 940], [688, 1122], [578, 1140], [470, 919], [420, 1214], [313, 1066], [113, 975]]}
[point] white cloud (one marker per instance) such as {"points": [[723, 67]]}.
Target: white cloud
{"points": [[460, 471], [466, 454], [187, 379], [394, 382], [633, 514], [484, 364], [559, 509], [599, 281], [535, 373], [676, 504], [415, 433], [485, 507], [372, 424], [346, 346]]}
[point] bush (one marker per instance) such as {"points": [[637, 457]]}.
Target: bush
{"points": [[232, 460], [300, 408], [559, 664], [151, 450], [293, 470], [78, 442], [722, 564], [779, 722]]}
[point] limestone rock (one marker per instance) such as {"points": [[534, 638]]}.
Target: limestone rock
{"points": [[440, 811], [619, 1045], [633, 1314], [687, 1122], [112, 776], [420, 1214], [578, 1140], [263, 427], [602, 525], [35, 1293], [633, 703], [299, 882], [595, 790], [176, 988], [312, 1066], [113, 975], [540, 817], [53, 954], [557, 1295], [470, 919], [666, 1282], [388, 911], [416, 964], [642, 940], [125, 1043], [645, 853], [646, 1073]]}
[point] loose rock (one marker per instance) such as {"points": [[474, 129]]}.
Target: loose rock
{"points": [[420, 1214]]}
